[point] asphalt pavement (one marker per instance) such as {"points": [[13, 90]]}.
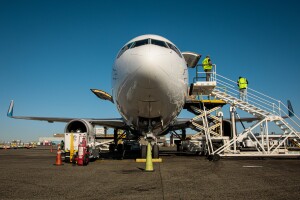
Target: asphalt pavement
{"points": [[31, 174]]}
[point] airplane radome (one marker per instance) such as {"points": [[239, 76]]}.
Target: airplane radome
{"points": [[150, 83]]}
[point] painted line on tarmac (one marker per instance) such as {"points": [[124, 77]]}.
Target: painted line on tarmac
{"points": [[252, 166]]}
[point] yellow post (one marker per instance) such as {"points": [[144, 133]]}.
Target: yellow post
{"points": [[71, 147], [149, 163]]}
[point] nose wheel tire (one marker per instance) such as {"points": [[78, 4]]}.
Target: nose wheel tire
{"points": [[143, 151], [155, 151]]}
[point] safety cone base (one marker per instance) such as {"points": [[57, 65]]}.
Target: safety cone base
{"points": [[149, 170], [143, 160], [58, 165]]}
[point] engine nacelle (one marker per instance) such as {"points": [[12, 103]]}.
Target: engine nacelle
{"points": [[79, 126]]}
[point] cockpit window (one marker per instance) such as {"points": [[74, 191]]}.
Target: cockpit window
{"points": [[159, 43], [147, 41], [140, 43], [174, 49], [124, 49]]}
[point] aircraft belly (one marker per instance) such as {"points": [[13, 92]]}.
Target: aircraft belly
{"points": [[166, 105], [149, 109]]}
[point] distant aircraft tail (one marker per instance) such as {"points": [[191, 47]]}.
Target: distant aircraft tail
{"points": [[10, 109], [290, 108]]}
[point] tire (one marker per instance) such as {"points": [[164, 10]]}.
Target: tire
{"points": [[155, 151], [111, 148], [216, 157], [120, 149], [179, 148], [74, 160], [86, 160], [67, 157], [143, 151], [210, 157]]}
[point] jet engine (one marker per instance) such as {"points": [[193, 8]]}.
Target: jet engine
{"points": [[79, 126]]}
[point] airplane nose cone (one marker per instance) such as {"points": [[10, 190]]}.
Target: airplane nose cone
{"points": [[148, 77], [150, 73]]}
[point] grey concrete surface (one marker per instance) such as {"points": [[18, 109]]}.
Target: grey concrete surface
{"points": [[30, 174]]}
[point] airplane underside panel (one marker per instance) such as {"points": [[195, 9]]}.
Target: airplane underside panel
{"points": [[149, 109]]}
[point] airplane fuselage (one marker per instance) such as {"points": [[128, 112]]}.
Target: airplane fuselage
{"points": [[150, 83]]}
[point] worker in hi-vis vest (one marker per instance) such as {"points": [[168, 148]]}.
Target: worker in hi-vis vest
{"points": [[207, 66], [242, 84]]}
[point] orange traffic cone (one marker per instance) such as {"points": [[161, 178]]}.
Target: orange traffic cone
{"points": [[58, 158]]}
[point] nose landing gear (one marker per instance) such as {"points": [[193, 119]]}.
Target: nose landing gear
{"points": [[154, 151]]}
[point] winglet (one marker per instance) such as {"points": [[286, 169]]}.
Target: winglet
{"points": [[290, 108], [10, 109]]}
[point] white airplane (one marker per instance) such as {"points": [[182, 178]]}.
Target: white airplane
{"points": [[149, 87]]}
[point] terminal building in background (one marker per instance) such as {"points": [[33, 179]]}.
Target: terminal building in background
{"points": [[56, 139]]}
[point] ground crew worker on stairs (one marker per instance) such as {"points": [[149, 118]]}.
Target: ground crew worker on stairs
{"points": [[207, 66], [242, 84]]}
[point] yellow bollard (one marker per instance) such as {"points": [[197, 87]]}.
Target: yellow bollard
{"points": [[149, 163], [71, 147]]}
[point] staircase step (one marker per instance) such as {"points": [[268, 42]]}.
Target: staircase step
{"points": [[255, 108], [282, 127], [233, 98]]}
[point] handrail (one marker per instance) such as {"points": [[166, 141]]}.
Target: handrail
{"points": [[253, 97], [213, 73], [256, 98]]}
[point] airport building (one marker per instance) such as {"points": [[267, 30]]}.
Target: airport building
{"points": [[56, 139]]}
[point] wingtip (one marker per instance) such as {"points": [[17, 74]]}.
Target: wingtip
{"points": [[10, 109]]}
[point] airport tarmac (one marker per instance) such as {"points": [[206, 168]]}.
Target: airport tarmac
{"points": [[30, 174]]}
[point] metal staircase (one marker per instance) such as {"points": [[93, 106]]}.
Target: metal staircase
{"points": [[240, 104], [264, 110]]}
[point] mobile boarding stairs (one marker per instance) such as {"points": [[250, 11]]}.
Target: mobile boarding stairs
{"points": [[266, 112]]}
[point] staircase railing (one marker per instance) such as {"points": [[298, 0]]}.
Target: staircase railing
{"points": [[257, 99], [253, 97]]}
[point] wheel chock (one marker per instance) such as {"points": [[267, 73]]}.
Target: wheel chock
{"points": [[143, 160]]}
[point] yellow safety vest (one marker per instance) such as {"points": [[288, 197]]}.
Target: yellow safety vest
{"points": [[206, 64], [243, 83]]}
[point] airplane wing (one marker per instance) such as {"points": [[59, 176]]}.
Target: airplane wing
{"points": [[109, 122]]}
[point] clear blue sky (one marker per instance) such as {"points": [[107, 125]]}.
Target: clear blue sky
{"points": [[53, 52]]}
